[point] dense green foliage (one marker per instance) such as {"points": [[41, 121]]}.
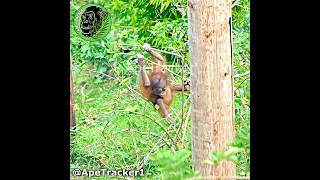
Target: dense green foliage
{"points": [[116, 127]]}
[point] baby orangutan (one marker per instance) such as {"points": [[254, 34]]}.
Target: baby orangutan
{"points": [[156, 86]]}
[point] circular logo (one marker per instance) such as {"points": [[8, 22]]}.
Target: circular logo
{"points": [[92, 21]]}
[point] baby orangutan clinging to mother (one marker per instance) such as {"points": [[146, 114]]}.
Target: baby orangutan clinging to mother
{"points": [[156, 86]]}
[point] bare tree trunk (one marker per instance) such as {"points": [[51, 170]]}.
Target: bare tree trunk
{"points": [[72, 116], [212, 84]]}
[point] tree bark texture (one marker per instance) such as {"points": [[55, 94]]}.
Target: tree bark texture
{"points": [[212, 111]]}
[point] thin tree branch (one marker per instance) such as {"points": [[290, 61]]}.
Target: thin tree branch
{"points": [[185, 128], [240, 75], [155, 49], [157, 123]]}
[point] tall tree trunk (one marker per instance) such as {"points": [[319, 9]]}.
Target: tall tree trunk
{"points": [[72, 116], [212, 85]]}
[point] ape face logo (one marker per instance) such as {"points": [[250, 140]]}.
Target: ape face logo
{"points": [[92, 21], [88, 22]]}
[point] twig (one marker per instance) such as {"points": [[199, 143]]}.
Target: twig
{"points": [[153, 134], [143, 161], [160, 125], [105, 128], [144, 133], [127, 167], [236, 4], [116, 146], [134, 140], [104, 74], [171, 65], [240, 75], [185, 128], [123, 130], [131, 89], [175, 130], [155, 49], [164, 67], [167, 52], [181, 112], [241, 83], [182, 102], [185, 103]]}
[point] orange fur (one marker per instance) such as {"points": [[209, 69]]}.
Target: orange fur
{"points": [[157, 70]]}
